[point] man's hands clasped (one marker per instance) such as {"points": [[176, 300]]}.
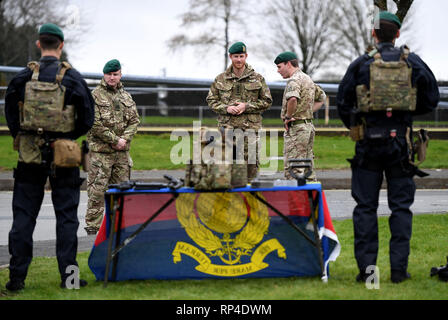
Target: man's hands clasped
{"points": [[237, 108], [121, 145]]}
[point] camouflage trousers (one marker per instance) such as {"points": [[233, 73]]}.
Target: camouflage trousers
{"points": [[298, 144], [105, 169], [250, 150], [251, 146]]}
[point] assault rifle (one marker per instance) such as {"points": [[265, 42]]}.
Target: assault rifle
{"points": [[172, 184]]}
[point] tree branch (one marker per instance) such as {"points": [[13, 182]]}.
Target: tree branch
{"points": [[403, 7]]}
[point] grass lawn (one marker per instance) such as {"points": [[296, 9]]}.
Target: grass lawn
{"points": [[428, 249], [173, 120], [153, 152]]}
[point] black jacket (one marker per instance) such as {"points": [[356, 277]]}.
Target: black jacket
{"points": [[359, 73], [77, 94]]}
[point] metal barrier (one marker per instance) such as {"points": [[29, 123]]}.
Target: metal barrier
{"points": [[328, 87], [174, 97]]}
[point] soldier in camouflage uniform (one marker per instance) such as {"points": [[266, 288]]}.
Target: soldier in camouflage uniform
{"points": [[116, 122], [239, 96], [302, 97]]}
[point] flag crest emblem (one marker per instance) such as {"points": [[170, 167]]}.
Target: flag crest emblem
{"points": [[228, 226]]}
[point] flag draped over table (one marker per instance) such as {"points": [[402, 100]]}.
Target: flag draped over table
{"points": [[219, 235]]}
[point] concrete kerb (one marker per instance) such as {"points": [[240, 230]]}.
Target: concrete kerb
{"points": [[330, 179]]}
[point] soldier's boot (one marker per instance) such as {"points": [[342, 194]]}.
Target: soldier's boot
{"points": [[82, 283], [362, 277], [398, 276], [15, 285]]}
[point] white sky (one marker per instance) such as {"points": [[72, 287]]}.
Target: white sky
{"points": [[136, 31]]}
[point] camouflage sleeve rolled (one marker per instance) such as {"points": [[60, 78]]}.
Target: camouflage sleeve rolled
{"points": [[99, 130], [319, 94], [292, 89], [133, 123], [214, 101], [263, 102]]}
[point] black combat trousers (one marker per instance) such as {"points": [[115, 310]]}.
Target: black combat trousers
{"points": [[28, 194], [367, 177]]}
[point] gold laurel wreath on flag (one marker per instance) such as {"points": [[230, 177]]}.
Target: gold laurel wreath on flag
{"points": [[243, 243]]}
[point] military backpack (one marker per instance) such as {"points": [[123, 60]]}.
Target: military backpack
{"points": [[390, 85], [43, 107]]}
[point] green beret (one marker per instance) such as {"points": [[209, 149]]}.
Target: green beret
{"points": [[285, 57], [388, 16], [238, 47], [50, 28], [112, 66]]}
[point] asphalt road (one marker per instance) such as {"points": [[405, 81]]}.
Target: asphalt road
{"points": [[46, 221], [339, 202]]}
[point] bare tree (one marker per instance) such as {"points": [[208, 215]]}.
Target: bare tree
{"points": [[406, 12], [216, 17], [403, 7], [353, 24], [302, 26], [354, 33], [19, 24]]}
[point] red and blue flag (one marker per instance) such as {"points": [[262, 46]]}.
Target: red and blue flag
{"points": [[246, 232]]}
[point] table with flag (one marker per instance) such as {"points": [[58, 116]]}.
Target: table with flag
{"points": [[237, 233]]}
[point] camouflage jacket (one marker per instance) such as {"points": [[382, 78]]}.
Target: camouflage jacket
{"points": [[250, 88], [306, 91], [116, 117]]}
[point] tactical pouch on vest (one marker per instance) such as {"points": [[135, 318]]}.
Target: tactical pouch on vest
{"points": [[210, 175], [67, 153], [219, 176], [29, 146], [390, 85], [357, 132], [85, 162], [205, 176], [421, 145], [43, 107]]}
